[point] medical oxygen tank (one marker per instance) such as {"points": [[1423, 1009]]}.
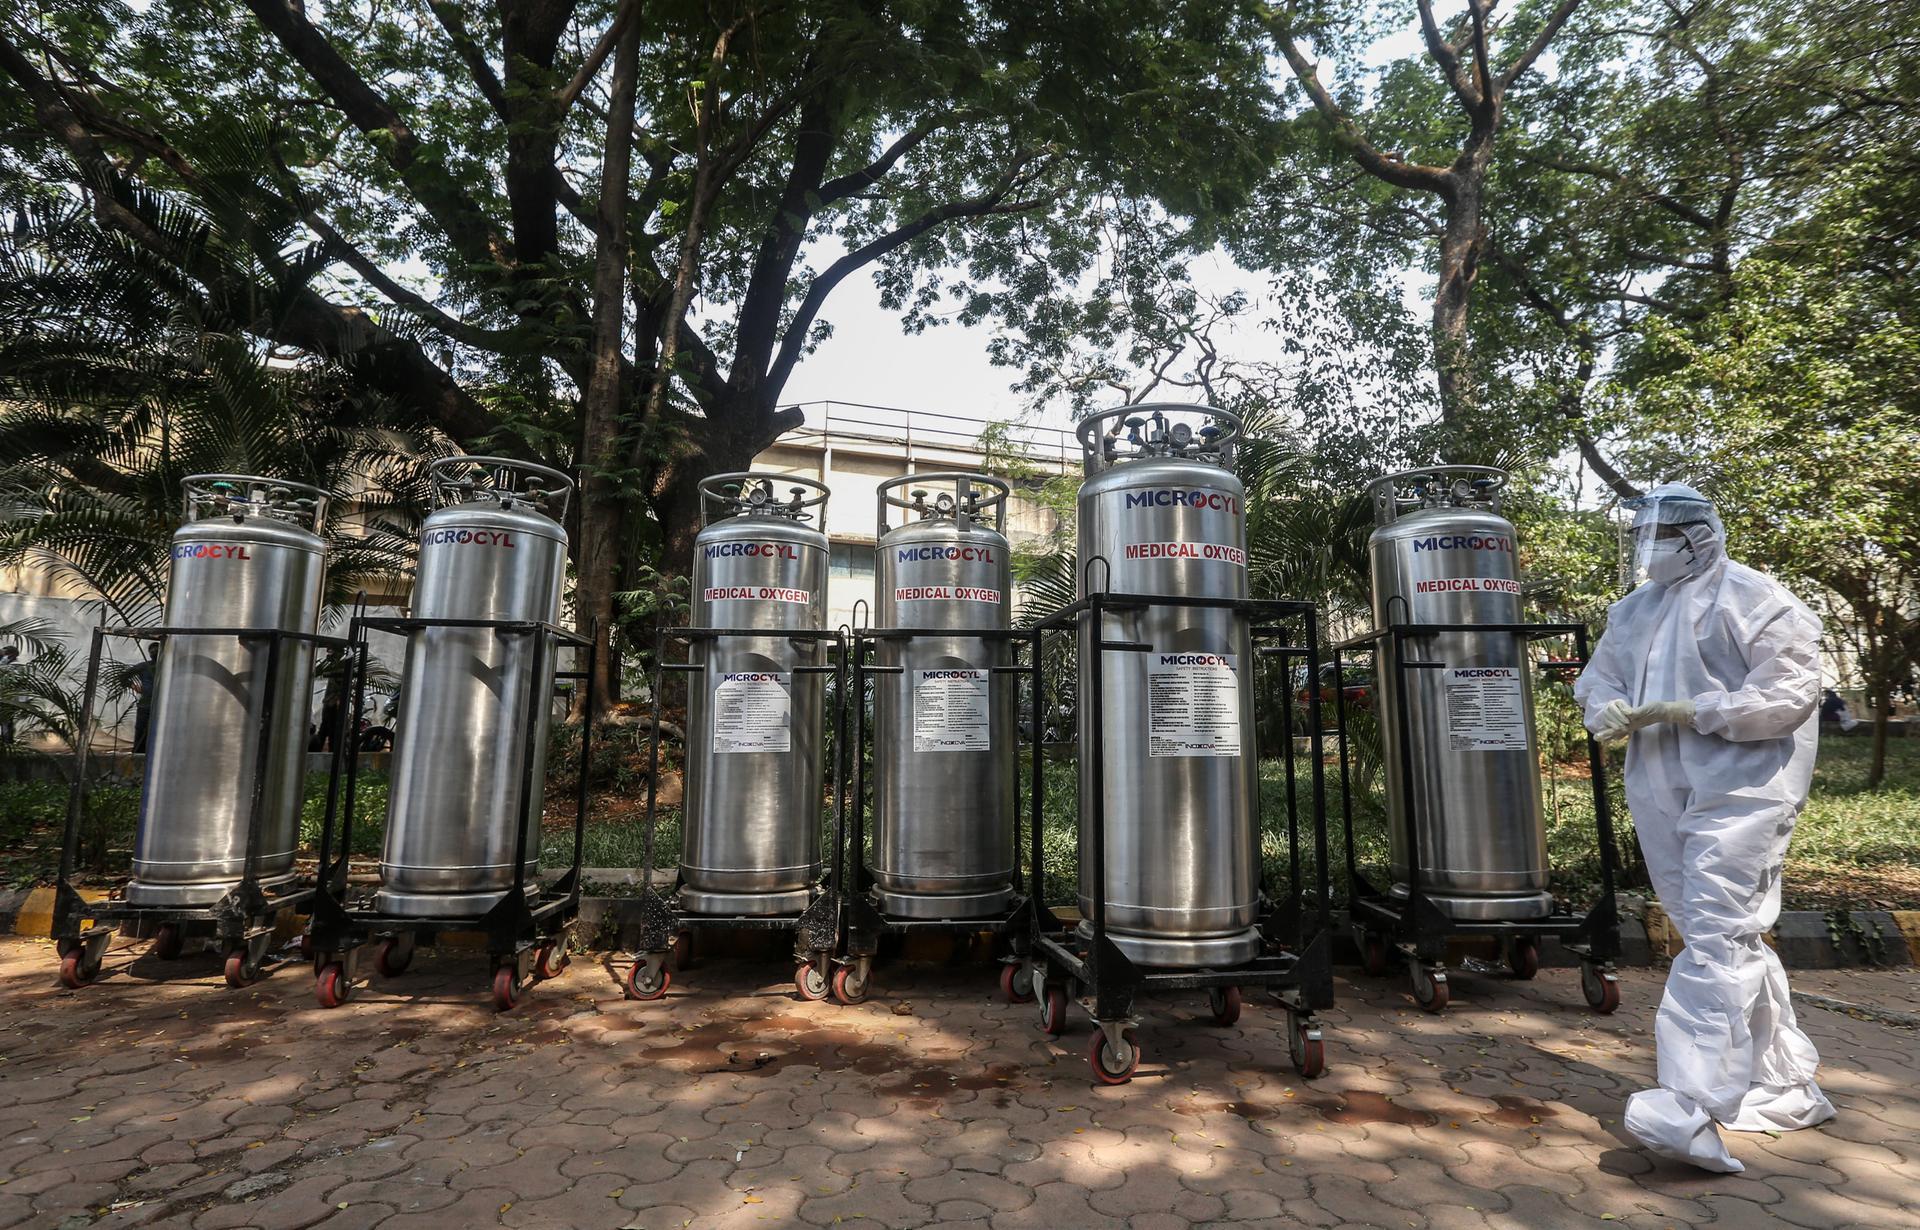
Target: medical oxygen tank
{"points": [[750, 837], [1443, 554], [944, 726], [1161, 514], [249, 556], [471, 704]]}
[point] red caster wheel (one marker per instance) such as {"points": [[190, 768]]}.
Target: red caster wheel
{"points": [[1016, 983], [330, 986], [642, 986], [306, 945], [1304, 1046], [811, 983], [506, 988], [552, 960], [76, 971], [395, 955], [1225, 1003], [1601, 989], [240, 971], [168, 943], [1430, 988], [1373, 956], [1053, 1010], [1523, 957], [1109, 1068], [849, 987]]}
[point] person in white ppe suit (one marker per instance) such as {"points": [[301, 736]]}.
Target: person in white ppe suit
{"points": [[1712, 669]]}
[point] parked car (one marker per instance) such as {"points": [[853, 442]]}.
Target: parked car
{"points": [[1356, 685]]}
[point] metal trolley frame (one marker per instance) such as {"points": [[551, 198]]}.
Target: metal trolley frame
{"points": [[1297, 964], [526, 937], [1419, 928], [866, 924], [665, 928], [243, 919]]}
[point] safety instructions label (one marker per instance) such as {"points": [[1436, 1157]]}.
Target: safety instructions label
{"points": [[950, 711], [752, 712], [1193, 704], [1486, 709], [1467, 585]]}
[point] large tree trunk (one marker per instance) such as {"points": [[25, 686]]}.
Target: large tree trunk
{"points": [[602, 503]]}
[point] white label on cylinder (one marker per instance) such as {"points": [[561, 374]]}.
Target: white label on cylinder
{"points": [[1486, 709], [950, 711], [945, 593], [1467, 585], [1193, 704], [1187, 550], [752, 711], [756, 593]]}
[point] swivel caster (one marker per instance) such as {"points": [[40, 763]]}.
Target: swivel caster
{"points": [[1304, 1046], [812, 983], [1113, 1062], [851, 983], [330, 985], [1053, 1009], [168, 942], [506, 988], [1600, 987], [395, 955], [1016, 982], [76, 969], [1225, 1004], [552, 959], [1374, 955], [241, 969], [1429, 987], [1523, 957], [647, 981]]}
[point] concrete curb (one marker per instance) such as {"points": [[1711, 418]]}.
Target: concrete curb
{"points": [[1805, 939]]}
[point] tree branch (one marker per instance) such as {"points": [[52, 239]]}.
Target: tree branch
{"points": [[835, 190], [1555, 20], [454, 22], [991, 203], [458, 214], [1392, 170], [390, 363], [590, 67], [1446, 57]]}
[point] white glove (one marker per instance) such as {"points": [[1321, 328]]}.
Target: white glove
{"points": [[1679, 712], [1614, 723]]}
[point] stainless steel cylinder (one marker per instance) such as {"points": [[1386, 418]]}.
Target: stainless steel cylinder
{"points": [[1161, 513], [249, 556], [750, 835], [1442, 554], [472, 704], [944, 780]]}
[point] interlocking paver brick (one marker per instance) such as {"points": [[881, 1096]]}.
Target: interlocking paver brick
{"points": [[734, 1105]]}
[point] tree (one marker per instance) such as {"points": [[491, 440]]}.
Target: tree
{"points": [[435, 154], [1479, 60]]}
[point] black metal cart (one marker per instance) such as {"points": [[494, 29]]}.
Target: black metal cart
{"points": [[866, 923], [1295, 963], [1416, 926], [665, 928], [243, 919], [526, 932]]}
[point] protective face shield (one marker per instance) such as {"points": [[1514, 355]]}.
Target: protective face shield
{"points": [[1676, 533]]}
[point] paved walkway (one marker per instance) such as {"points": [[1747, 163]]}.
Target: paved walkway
{"points": [[732, 1104]]}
